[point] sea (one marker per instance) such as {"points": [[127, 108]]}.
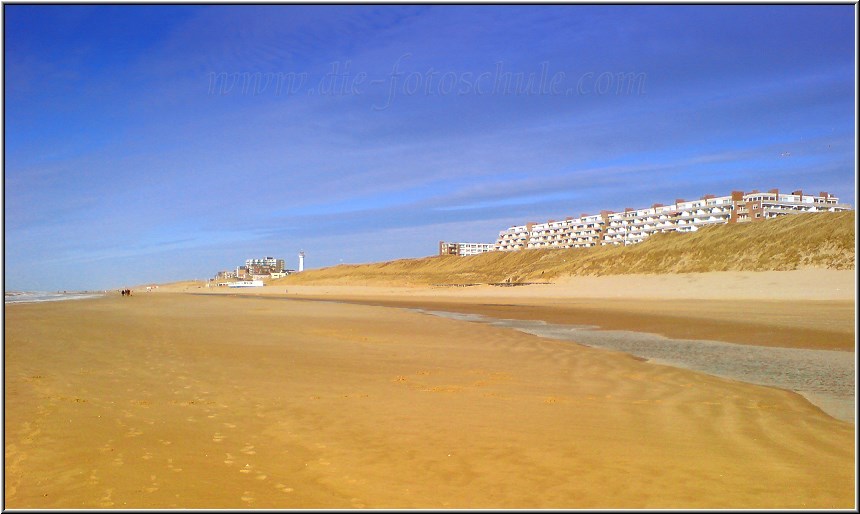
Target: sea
{"points": [[44, 296], [824, 377]]}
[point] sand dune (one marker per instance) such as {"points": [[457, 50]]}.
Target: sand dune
{"points": [[822, 240], [168, 400]]}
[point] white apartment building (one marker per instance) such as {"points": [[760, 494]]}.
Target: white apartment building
{"points": [[270, 262], [475, 248], [464, 249], [634, 225]]}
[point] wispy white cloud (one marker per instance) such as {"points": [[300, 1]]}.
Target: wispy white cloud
{"points": [[119, 152]]}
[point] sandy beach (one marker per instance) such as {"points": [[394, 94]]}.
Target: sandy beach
{"points": [[269, 401], [393, 257]]}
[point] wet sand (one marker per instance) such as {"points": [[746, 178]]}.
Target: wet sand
{"points": [[824, 377], [818, 324], [185, 401], [811, 308]]}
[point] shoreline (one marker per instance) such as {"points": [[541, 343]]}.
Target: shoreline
{"points": [[16, 297]]}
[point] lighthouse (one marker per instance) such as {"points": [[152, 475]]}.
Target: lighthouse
{"points": [[301, 261]]}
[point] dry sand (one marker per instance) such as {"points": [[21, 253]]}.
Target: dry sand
{"points": [[169, 400]]}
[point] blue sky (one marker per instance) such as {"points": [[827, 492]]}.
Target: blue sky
{"points": [[154, 143]]}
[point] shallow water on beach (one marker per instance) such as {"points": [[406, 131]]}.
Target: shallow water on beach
{"points": [[824, 377], [44, 296]]}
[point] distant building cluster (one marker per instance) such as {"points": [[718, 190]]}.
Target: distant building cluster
{"points": [[635, 225], [264, 266], [257, 270]]}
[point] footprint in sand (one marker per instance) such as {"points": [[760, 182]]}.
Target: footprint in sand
{"points": [[359, 481], [229, 425], [217, 438], [261, 476], [133, 432], [107, 499], [246, 469], [248, 449], [247, 497], [283, 488], [146, 456], [229, 460]]}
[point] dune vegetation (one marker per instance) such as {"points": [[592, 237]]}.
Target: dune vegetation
{"points": [[821, 240]]}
